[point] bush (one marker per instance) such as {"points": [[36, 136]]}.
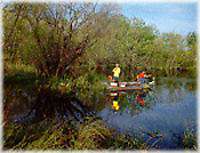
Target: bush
{"points": [[47, 134], [92, 135], [189, 140], [64, 85], [88, 88]]}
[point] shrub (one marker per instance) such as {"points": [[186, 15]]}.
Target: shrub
{"points": [[92, 135], [189, 140]]}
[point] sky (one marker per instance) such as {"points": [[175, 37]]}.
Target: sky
{"points": [[167, 17]]}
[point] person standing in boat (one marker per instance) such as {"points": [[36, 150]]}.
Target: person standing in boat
{"points": [[116, 72]]}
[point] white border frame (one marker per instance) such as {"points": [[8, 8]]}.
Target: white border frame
{"points": [[99, 1]]}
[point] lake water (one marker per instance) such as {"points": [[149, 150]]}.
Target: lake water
{"points": [[171, 111]]}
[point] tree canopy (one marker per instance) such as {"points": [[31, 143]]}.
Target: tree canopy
{"points": [[71, 38]]}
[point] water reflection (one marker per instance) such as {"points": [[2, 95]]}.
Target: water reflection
{"points": [[132, 101], [17, 101], [169, 109]]}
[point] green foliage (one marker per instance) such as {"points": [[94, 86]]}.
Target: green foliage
{"points": [[189, 140], [49, 134], [64, 85], [89, 87], [67, 50], [12, 135], [192, 40], [104, 37], [12, 69], [92, 135], [56, 137], [43, 135], [82, 85], [20, 74], [125, 142], [18, 136]]}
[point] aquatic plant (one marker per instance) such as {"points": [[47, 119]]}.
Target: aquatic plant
{"points": [[189, 140], [125, 142]]}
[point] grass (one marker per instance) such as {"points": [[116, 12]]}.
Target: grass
{"points": [[49, 134], [92, 135], [189, 140], [20, 75]]}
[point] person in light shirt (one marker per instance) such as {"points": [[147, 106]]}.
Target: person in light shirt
{"points": [[116, 72]]}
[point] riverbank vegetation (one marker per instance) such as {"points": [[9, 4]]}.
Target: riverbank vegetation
{"points": [[49, 134], [75, 39], [69, 49]]}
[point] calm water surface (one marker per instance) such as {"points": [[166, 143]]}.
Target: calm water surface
{"points": [[170, 112]]}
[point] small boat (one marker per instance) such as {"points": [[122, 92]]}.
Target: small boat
{"points": [[135, 86]]}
